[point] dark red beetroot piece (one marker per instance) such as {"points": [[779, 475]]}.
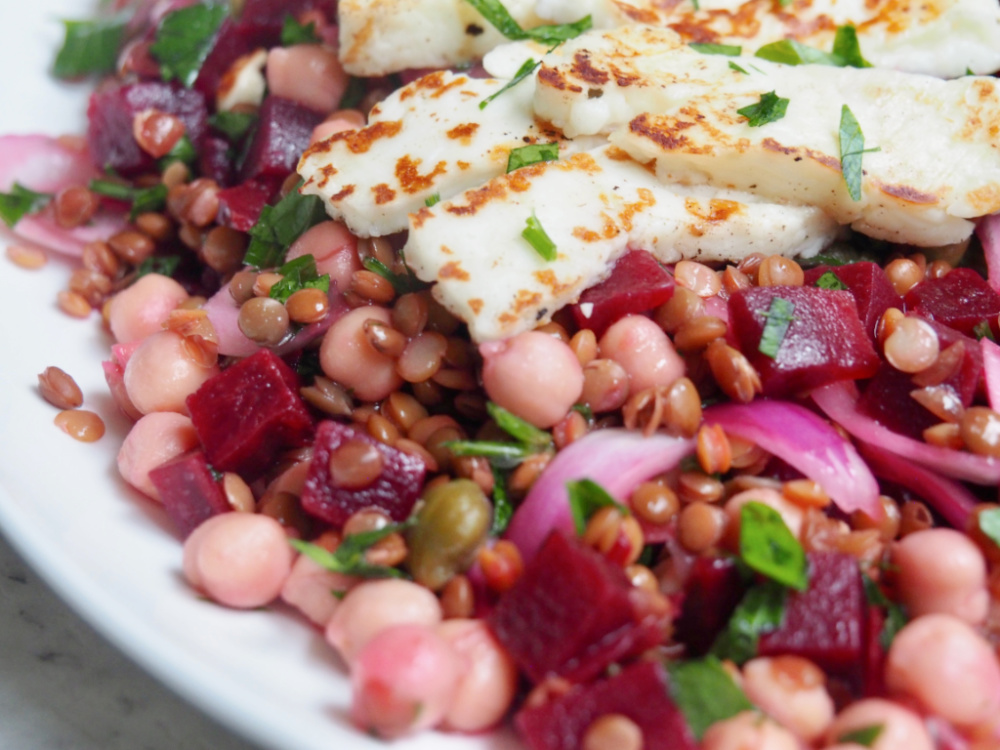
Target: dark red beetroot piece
{"points": [[712, 592], [281, 135], [637, 283], [240, 206], [825, 342], [572, 613], [110, 115], [214, 161], [960, 299], [248, 413], [394, 491], [640, 692], [873, 294], [190, 494], [827, 623]]}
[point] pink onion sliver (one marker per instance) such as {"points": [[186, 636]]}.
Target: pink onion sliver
{"points": [[839, 402], [988, 231], [42, 163], [42, 230], [991, 371], [804, 441], [947, 497], [618, 460]]}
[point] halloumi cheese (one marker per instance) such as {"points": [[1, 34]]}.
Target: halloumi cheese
{"points": [[934, 162], [593, 205]]}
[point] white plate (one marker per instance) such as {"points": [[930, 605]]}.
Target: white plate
{"points": [[107, 551]]}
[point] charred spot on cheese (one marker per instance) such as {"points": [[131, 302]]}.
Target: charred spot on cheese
{"points": [[383, 193]]}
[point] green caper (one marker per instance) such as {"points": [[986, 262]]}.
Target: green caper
{"points": [[453, 521]]}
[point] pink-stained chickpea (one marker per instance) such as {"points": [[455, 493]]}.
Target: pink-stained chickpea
{"points": [[900, 727], [487, 686], [162, 373], [790, 513], [152, 441], [403, 681], [372, 606], [749, 731], [240, 560], [348, 357], [139, 310], [308, 74], [334, 248], [312, 589], [941, 570], [644, 350], [534, 375], [949, 669], [791, 690], [338, 122]]}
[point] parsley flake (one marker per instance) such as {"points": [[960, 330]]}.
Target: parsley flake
{"points": [[729, 50], [533, 154], [90, 47], [865, 736], [20, 202], [761, 610], [233, 125], [143, 200], [299, 274], [767, 546], [989, 524], [586, 497], [895, 616], [779, 318], [737, 68], [402, 283], [848, 49], [184, 39], [164, 265], [535, 235], [293, 32], [349, 557], [852, 146], [770, 108], [498, 16], [527, 68], [280, 225], [830, 281], [791, 52], [502, 509], [705, 693]]}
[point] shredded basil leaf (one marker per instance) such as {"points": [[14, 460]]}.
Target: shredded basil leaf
{"points": [[770, 108], [499, 17], [865, 736], [20, 202], [233, 125], [586, 497], [830, 281], [848, 49], [526, 69], [852, 146], [402, 283], [432, 200], [791, 52], [730, 50], [349, 557], [523, 432], [164, 265], [184, 39], [761, 610], [183, 151], [293, 32], [90, 47], [535, 236], [502, 509], [779, 318], [299, 274], [533, 154], [737, 68], [767, 546], [500, 455], [280, 225], [705, 693], [143, 200], [989, 524]]}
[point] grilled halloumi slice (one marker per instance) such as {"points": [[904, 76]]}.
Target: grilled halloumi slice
{"points": [[935, 166], [430, 138], [593, 205], [936, 37]]}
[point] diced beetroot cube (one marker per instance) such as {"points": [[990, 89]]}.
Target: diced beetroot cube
{"points": [[827, 623], [873, 293], [240, 206], [189, 492], [640, 691], [713, 590], [394, 491], [112, 109], [214, 161], [637, 283], [235, 39], [248, 413], [283, 131], [572, 613], [961, 299], [276, 10], [825, 341], [874, 668]]}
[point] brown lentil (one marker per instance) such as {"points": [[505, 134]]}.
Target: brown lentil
{"points": [[59, 389], [223, 248], [176, 174], [904, 274], [941, 401], [29, 258], [238, 493], [436, 444], [264, 320], [307, 306], [555, 330], [75, 206], [887, 526], [616, 536], [157, 132], [191, 236], [409, 313], [131, 246], [912, 346], [654, 503], [476, 468], [776, 270], [421, 357], [241, 286], [806, 493], [439, 319], [413, 448], [745, 453], [945, 366], [363, 413], [642, 577], [887, 323], [98, 257], [363, 521], [355, 464], [938, 269], [372, 287], [914, 516], [455, 379], [378, 248], [715, 456], [944, 435], [697, 277], [584, 346], [403, 409], [471, 405], [263, 282], [696, 334], [693, 486], [460, 353], [700, 526], [382, 429], [285, 508], [387, 552], [605, 385], [73, 304], [85, 426], [733, 280], [458, 600], [91, 285], [981, 430], [683, 305], [613, 732], [155, 225], [424, 427], [568, 429], [327, 396], [527, 472], [750, 265], [502, 565], [732, 372], [196, 203]]}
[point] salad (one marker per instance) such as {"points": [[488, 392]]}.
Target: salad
{"points": [[645, 479]]}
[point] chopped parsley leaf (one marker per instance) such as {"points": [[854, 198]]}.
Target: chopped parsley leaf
{"points": [[523, 432], [354, 94], [20, 202], [299, 274], [761, 610], [293, 32], [184, 39], [730, 50], [500, 455], [865, 736], [586, 497], [770, 108], [143, 200], [705, 693], [895, 616], [830, 281], [848, 49], [164, 265], [349, 557], [495, 12], [791, 52], [532, 154], [526, 69], [852, 147], [535, 235], [767, 546], [502, 509], [183, 151], [779, 318], [402, 283], [982, 330], [90, 47], [233, 125], [280, 225]]}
